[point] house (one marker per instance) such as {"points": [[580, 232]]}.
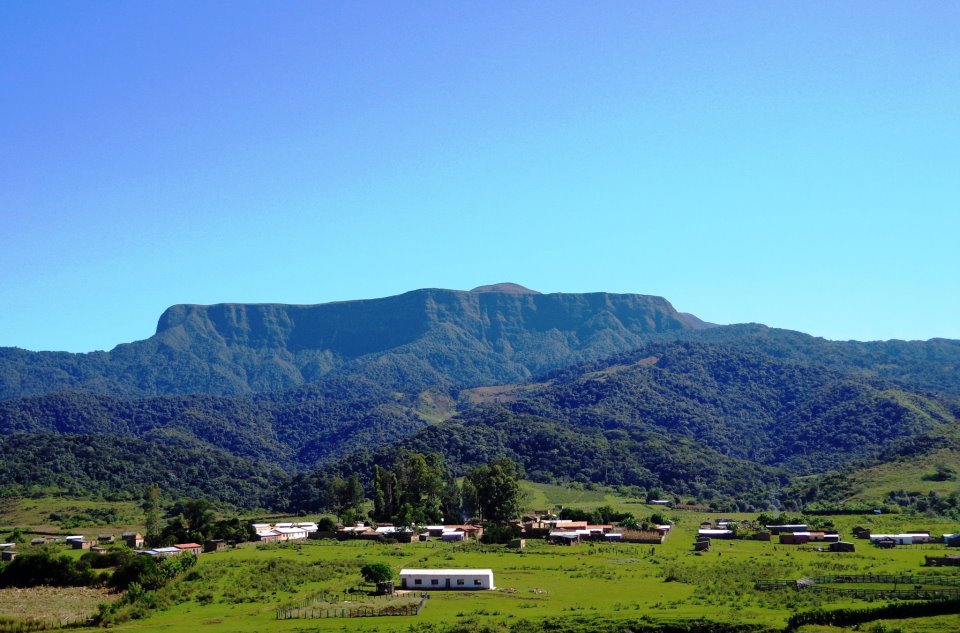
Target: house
{"points": [[194, 548], [562, 537], [106, 538], [7, 546], [779, 529], [453, 535], [214, 545], [269, 536], [715, 533], [842, 546], [702, 546], [861, 532], [660, 502], [290, 533], [901, 539], [134, 540], [82, 544], [950, 560], [38, 541], [8, 555], [462, 579], [167, 551]]}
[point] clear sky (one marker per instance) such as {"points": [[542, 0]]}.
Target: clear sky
{"points": [[792, 163]]}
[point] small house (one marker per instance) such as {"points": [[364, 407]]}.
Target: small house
{"points": [[517, 543], [134, 540], [715, 533], [38, 541], [193, 548], [7, 546], [453, 535], [447, 579], [82, 544], [269, 536], [949, 560], [167, 551], [702, 545], [861, 532], [214, 545], [780, 529], [564, 538], [290, 533], [106, 538], [842, 546], [8, 555]]}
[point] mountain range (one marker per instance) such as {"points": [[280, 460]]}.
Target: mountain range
{"points": [[615, 389]]}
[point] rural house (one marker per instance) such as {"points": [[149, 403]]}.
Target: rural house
{"points": [[443, 579]]}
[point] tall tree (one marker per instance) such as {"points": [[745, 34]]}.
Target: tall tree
{"points": [[498, 490], [152, 522]]}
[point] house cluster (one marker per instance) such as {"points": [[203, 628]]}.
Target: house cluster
{"points": [[449, 533], [570, 532], [276, 532]]}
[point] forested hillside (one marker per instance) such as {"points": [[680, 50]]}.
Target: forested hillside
{"points": [[610, 389]]}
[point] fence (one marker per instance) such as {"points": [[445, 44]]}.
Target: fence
{"points": [[315, 610], [916, 592]]}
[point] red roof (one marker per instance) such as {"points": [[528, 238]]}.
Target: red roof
{"points": [[187, 545]]}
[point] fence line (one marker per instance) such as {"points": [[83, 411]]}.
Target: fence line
{"points": [[308, 610]]}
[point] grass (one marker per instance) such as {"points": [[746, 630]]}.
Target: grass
{"points": [[240, 589]]}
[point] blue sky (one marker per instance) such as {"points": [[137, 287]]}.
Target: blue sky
{"points": [[790, 163]]}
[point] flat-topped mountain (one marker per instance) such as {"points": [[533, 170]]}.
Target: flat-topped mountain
{"points": [[431, 337]]}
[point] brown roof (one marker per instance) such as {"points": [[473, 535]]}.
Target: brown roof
{"points": [[187, 545]]}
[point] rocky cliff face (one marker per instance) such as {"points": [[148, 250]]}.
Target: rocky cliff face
{"points": [[493, 334]]}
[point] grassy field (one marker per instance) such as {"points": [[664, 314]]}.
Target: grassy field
{"points": [[61, 605], [37, 514]]}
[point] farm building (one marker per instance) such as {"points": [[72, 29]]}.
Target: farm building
{"points": [[134, 540], [462, 579], [214, 545], [106, 538], [195, 548], [82, 544], [8, 555]]}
